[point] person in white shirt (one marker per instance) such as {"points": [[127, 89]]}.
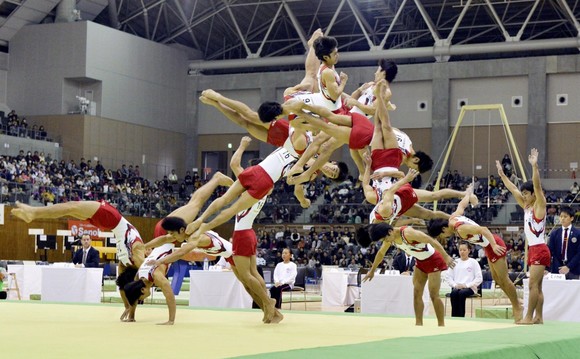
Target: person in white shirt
{"points": [[284, 277], [463, 280]]}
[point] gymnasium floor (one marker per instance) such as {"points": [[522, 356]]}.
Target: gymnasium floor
{"points": [[33, 329]]}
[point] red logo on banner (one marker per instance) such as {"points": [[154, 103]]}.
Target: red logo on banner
{"points": [[80, 228]]}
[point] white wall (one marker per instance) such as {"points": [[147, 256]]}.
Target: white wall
{"points": [[567, 83], [143, 82], [136, 80], [498, 90]]}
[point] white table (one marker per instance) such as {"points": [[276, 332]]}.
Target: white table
{"points": [[29, 279], [58, 284], [335, 285], [391, 294], [561, 299], [217, 289], [71, 284]]}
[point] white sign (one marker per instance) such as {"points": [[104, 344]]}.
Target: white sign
{"points": [[2, 214]]}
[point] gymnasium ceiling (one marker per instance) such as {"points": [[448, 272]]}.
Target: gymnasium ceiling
{"points": [[246, 35]]}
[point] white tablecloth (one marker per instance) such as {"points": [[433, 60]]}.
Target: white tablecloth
{"points": [[71, 284], [217, 289], [335, 288], [58, 284], [388, 294], [29, 279], [561, 299]]}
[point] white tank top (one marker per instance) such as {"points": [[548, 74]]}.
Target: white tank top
{"points": [[217, 247], [330, 104], [477, 239], [278, 163], [367, 98], [146, 271], [310, 98], [418, 250], [289, 146], [404, 142], [534, 228], [376, 217], [245, 219]]}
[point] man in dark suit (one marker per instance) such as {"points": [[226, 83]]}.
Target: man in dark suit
{"points": [[87, 256], [565, 246], [404, 263]]}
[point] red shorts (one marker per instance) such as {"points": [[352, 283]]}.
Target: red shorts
{"points": [[392, 157], [245, 243], [433, 264], [408, 198], [159, 231], [278, 132], [256, 181], [361, 133], [106, 218], [539, 255], [490, 254]]}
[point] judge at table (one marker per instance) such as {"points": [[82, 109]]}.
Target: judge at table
{"points": [[86, 256], [404, 263], [564, 246]]}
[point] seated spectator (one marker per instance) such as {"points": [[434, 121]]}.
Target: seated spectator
{"points": [[464, 279], [574, 189], [284, 277], [42, 133], [188, 180], [506, 163]]}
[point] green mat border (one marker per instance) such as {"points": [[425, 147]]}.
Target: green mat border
{"points": [[557, 340]]}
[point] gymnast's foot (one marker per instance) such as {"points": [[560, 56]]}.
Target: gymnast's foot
{"points": [[278, 317], [518, 313], [526, 321], [208, 101], [24, 212], [315, 35]]}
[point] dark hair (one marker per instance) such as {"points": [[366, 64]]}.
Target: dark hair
{"points": [[362, 236], [269, 110], [463, 243], [173, 223], [390, 68], [324, 45], [127, 276], [379, 230], [365, 235], [425, 162], [527, 186], [436, 226], [342, 172], [133, 291], [568, 210]]}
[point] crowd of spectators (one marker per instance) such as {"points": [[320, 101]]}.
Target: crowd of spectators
{"points": [[50, 181], [320, 245], [12, 125], [342, 206]]}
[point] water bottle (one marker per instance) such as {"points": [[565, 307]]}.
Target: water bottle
{"points": [[205, 264]]}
